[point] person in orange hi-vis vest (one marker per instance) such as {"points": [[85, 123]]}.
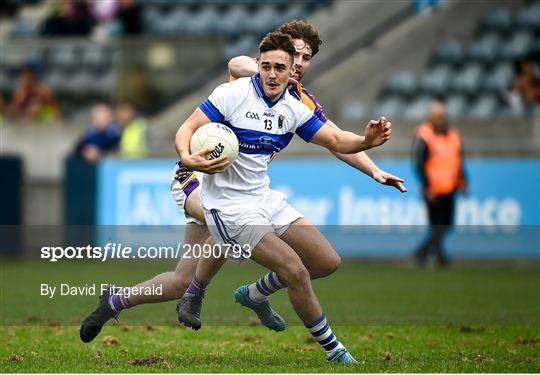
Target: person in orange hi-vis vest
{"points": [[439, 164]]}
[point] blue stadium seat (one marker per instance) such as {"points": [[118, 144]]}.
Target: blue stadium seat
{"points": [[436, 80], [468, 79], [391, 107], [245, 45], [152, 17], [58, 80], [402, 83], [293, 11], [529, 17], [517, 45], [96, 57], [516, 111], [484, 107], [264, 19], [485, 48], [499, 19], [499, 78], [354, 111], [232, 22], [418, 108], [79, 81], [456, 106], [450, 51], [63, 56], [102, 83], [203, 22]]}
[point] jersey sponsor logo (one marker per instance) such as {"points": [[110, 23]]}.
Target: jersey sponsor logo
{"points": [[218, 150], [265, 148], [271, 113], [266, 139], [252, 115]]}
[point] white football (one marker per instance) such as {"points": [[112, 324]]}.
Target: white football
{"points": [[217, 136]]}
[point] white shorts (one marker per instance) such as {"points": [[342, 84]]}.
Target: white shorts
{"points": [[183, 183], [246, 228]]}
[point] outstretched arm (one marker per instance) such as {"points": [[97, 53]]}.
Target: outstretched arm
{"points": [[197, 161], [334, 139], [363, 163]]}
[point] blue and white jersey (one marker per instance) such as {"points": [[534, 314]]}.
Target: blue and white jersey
{"points": [[263, 128]]}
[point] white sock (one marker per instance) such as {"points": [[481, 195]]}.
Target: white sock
{"points": [[260, 290], [320, 329]]}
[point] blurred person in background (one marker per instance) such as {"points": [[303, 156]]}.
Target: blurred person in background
{"points": [[527, 79], [103, 10], [32, 99], [133, 139], [136, 88], [69, 18], [439, 164], [129, 17], [2, 109], [101, 138]]}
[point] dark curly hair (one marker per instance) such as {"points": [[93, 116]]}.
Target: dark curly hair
{"points": [[300, 29]]}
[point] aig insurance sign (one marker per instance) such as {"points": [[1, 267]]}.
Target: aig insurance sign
{"points": [[328, 192], [502, 193]]}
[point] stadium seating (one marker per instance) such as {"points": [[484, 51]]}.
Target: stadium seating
{"points": [[475, 77], [67, 66]]}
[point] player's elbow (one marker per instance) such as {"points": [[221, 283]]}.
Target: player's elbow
{"points": [[340, 144], [235, 65], [334, 143], [232, 65]]}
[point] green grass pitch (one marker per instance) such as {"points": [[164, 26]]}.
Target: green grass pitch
{"points": [[393, 318]]}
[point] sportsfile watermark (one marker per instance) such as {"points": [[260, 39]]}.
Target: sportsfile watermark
{"points": [[96, 289], [120, 251], [63, 271]]}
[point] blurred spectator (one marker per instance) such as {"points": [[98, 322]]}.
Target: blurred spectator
{"points": [[129, 17], [133, 140], [103, 10], [9, 8], [439, 164], [137, 89], [2, 110], [527, 79], [102, 137], [33, 100], [69, 18]]}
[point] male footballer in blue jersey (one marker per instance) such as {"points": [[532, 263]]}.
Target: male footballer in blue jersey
{"points": [[239, 206], [185, 187]]}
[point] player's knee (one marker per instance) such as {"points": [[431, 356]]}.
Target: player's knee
{"points": [[296, 274], [334, 263], [325, 266], [330, 265]]}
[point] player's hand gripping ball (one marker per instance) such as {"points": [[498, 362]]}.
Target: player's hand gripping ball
{"points": [[217, 136]]}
